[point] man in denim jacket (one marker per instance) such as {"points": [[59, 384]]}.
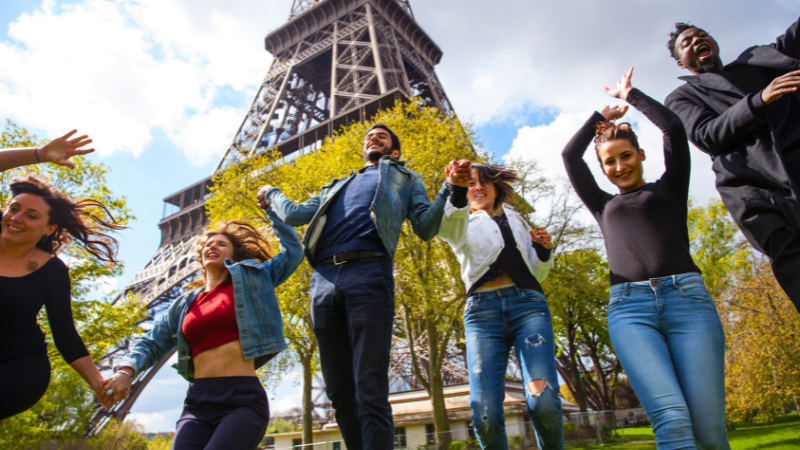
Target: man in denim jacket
{"points": [[355, 225]]}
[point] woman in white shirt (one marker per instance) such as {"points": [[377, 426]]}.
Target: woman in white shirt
{"points": [[502, 262]]}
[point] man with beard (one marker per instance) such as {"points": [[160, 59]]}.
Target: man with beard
{"points": [[355, 225], [746, 116]]}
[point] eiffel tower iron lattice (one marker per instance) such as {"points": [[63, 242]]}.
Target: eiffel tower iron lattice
{"points": [[335, 62]]}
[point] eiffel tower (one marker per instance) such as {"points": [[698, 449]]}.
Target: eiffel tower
{"points": [[335, 62]]}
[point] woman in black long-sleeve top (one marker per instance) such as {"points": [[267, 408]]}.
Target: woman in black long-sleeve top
{"points": [[38, 221], [662, 322]]}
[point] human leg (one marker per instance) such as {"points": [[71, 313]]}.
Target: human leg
{"points": [[531, 330], [23, 381], [487, 359], [367, 286], [783, 249], [696, 342], [640, 345], [335, 354]]}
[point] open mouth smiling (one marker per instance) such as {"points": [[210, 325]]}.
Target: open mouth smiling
{"points": [[14, 229], [703, 50]]}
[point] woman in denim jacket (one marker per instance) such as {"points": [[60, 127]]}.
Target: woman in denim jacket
{"points": [[661, 320], [224, 330], [502, 262]]}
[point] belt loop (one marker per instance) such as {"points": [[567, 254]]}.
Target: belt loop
{"points": [[674, 280], [627, 289]]}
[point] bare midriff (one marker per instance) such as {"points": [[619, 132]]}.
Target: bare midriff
{"points": [[223, 361], [502, 279]]}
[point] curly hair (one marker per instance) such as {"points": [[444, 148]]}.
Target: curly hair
{"points": [[680, 27], [501, 177], [609, 131], [246, 240], [74, 220]]}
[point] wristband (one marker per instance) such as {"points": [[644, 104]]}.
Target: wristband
{"points": [[125, 372], [36, 154]]}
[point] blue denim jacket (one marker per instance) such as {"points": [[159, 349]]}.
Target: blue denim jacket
{"points": [[257, 313], [400, 195]]}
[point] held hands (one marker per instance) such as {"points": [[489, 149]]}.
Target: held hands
{"points": [[459, 173], [261, 197], [784, 84], [542, 237], [60, 150], [614, 112], [623, 86], [120, 384]]}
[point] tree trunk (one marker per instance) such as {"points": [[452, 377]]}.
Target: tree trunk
{"points": [[436, 391], [308, 403], [580, 394]]}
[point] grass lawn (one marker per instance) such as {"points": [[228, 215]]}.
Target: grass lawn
{"points": [[782, 434]]}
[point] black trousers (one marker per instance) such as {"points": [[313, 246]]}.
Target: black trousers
{"points": [[352, 312], [23, 381], [226, 413], [783, 249]]}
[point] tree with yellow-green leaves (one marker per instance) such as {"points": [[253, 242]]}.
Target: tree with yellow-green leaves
{"points": [[762, 328], [429, 293], [68, 403]]}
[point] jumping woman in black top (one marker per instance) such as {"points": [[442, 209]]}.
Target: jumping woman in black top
{"points": [[662, 322], [37, 223]]}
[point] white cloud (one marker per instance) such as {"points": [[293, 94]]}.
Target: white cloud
{"points": [[92, 66], [286, 403], [157, 422]]}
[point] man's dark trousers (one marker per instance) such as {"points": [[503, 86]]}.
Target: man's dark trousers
{"points": [[352, 312]]}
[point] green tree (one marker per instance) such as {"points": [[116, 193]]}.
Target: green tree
{"points": [[428, 288], [119, 436], [68, 402]]}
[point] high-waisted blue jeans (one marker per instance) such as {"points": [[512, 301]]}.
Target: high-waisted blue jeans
{"points": [[494, 322], [667, 334]]}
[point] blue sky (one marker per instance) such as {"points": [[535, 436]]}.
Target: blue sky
{"points": [[162, 86]]}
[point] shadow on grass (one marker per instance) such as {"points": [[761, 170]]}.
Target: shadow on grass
{"points": [[786, 443]]}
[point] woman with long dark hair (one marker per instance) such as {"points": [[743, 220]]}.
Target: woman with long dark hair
{"points": [[502, 263], [663, 324], [38, 222], [225, 327]]}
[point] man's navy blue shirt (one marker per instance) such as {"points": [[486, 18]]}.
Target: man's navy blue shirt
{"points": [[348, 225]]}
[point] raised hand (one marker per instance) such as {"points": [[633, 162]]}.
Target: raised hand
{"points": [[459, 173], [60, 150], [261, 197], [614, 112], [784, 84], [623, 86], [542, 237]]}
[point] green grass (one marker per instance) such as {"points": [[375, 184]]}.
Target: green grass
{"points": [[782, 434]]}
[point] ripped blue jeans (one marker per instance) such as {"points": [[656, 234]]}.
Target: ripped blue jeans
{"points": [[494, 322]]}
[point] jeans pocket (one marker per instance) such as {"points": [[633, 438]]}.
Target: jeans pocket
{"points": [[472, 302], [695, 290], [615, 301]]}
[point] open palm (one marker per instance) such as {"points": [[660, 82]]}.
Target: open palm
{"points": [[623, 86], [60, 150]]}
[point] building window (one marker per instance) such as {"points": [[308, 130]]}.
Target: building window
{"points": [[528, 426], [430, 434], [337, 446], [400, 437], [470, 430], [297, 443]]}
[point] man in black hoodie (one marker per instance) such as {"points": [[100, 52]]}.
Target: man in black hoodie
{"points": [[746, 116]]}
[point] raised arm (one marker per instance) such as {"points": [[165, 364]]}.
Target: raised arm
{"points": [[58, 151], [578, 171], [283, 265], [287, 211], [155, 344], [425, 217], [677, 158]]}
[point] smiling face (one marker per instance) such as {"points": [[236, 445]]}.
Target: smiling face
{"points": [[697, 51], [481, 194], [25, 221], [378, 143], [622, 164], [217, 249]]}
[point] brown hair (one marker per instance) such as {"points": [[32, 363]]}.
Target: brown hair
{"points": [[74, 220], [247, 242], [610, 131], [501, 178]]}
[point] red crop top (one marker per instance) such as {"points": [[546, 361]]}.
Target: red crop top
{"points": [[211, 320]]}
